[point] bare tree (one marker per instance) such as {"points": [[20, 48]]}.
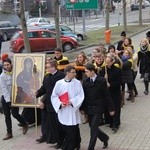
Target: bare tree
{"points": [[124, 15], [140, 13], [55, 6], [21, 15], [7, 6]]}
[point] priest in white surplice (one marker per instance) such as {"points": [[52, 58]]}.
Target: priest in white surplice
{"points": [[67, 98]]}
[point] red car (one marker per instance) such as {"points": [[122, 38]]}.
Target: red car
{"points": [[40, 41]]}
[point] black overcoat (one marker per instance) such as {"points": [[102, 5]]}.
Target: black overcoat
{"points": [[97, 96], [47, 88]]}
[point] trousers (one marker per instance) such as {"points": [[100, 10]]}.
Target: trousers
{"points": [[8, 110]]}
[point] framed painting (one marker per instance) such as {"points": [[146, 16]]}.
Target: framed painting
{"points": [[28, 74]]}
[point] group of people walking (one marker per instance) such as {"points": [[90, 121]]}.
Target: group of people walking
{"points": [[93, 86]]}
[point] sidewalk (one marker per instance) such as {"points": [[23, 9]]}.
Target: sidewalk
{"points": [[134, 132]]}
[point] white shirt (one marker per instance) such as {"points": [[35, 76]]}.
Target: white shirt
{"points": [[68, 115], [6, 85]]}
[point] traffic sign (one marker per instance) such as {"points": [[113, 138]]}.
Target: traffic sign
{"points": [[82, 4]]}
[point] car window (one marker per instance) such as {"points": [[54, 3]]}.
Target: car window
{"points": [[45, 34], [33, 34], [63, 28], [16, 35], [41, 20]]}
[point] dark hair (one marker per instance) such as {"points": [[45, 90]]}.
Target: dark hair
{"points": [[7, 60], [58, 49], [111, 46], [148, 34], [53, 63], [90, 67], [68, 68], [123, 33]]}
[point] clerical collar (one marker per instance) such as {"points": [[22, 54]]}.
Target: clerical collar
{"points": [[93, 78], [66, 80]]}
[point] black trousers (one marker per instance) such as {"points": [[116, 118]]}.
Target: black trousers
{"points": [[95, 132], [43, 123], [72, 138], [8, 110]]}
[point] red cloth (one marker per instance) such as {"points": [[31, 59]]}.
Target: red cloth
{"points": [[64, 98]]}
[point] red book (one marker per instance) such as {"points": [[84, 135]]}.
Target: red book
{"points": [[64, 98]]}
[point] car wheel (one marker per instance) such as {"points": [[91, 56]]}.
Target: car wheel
{"points": [[80, 37], [5, 37], [22, 50], [67, 47]]}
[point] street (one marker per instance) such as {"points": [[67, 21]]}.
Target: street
{"points": [[133, 134]]}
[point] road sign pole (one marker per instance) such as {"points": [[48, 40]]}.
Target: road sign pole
{"points": [[83, 17], [73, 20]]}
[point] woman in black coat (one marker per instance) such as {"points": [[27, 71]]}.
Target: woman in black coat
{"points": [[144, 63], [114, 78]]}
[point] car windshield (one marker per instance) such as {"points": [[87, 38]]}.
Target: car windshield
{"points": [[16, 35]]}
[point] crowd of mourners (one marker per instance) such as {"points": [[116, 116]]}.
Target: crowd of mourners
{"points": [[93, 86]]}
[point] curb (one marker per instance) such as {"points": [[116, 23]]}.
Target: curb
{"points": [[114, 43]]}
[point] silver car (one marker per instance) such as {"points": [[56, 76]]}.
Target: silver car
{"points": [[8, 29]]}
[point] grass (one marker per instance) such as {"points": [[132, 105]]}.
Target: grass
{"points": [[98, 36]]}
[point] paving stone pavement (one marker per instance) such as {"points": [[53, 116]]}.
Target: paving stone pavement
{"points": [[133, 134]]}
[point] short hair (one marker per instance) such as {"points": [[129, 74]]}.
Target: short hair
{"points": [[68, 68], [123, 33], [111, 46], [90, 67], [53, 63], [148, 34], [58, 49], [7, 60]]}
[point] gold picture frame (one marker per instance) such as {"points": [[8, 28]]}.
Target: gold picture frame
{"points": [[28, 74]]}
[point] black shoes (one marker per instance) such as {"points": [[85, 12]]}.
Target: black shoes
{"points": [[25, 129], [105, 144], [41, 140], [8, 136], [57, 146]]}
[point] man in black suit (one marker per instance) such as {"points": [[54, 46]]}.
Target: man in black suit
{"points": [[97, 97]]}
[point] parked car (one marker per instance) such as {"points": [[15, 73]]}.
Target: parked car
{"points": [[66, 30], [136, 6], [52, 28], [37, 21], [147, 3], [40, 41], [8, 29]]}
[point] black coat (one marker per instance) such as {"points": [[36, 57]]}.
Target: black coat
{"points": [[144, 62], [97, 96], [127, 72], [47, 88], [115, 80]]}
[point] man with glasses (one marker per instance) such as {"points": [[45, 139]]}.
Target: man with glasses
{"points": [[67, 98]]}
